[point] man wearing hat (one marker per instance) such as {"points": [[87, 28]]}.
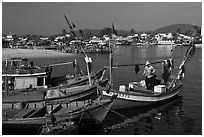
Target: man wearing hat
{"points": [[149, 74]]}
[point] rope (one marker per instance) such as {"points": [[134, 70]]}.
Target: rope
{"points": [[39, 130], [106, 108], [125, 65], [80, 119], [82, 114], [115, 112]]}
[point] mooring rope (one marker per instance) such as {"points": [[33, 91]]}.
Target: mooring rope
{"points": [[115, 112]]}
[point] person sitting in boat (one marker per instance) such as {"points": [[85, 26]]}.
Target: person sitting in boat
{"points": [[149, 75]]}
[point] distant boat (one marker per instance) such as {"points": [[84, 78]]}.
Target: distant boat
{"points": [[97, 48], [186, 42], [165, 42], [198, 45]]}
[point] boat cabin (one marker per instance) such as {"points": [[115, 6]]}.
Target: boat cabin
{"points": [[18, 74]]}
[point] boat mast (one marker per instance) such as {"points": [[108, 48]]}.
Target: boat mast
{"points": [[111, 45], [87, 59], [110, 61]]}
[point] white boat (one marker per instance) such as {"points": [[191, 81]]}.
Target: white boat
{"points": [[140, 96], [198, 45], [165, 42]]}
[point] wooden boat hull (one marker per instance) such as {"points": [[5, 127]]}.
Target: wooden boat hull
{"points": [[93, 112], [128, 100], [19, 129], [77, 81], [25, 75], [79, 93]]}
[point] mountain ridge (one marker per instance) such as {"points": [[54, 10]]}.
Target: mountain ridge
{"points": [[183, 28]]}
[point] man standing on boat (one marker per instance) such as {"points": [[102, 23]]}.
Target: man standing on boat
{"points": [[149, 74]]}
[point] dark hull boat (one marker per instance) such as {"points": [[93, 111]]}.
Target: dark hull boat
{"points": [[140, 97], [93, 113], [28, 119], [60, 94], [65, 92], [79, 80]]}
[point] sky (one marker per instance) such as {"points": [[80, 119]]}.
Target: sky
{"points": [[47, 18]]}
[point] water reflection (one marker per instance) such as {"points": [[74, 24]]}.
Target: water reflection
{"points": [[151, 120], [164, 50]]}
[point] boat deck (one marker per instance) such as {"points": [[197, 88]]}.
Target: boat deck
{"points": [[20, 95]]}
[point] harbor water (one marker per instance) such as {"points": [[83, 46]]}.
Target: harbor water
{"points": [[181, 115]]}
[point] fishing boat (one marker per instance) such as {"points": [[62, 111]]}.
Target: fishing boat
{"points": [[32, 115], [20, 84], [18, 74], [137, 95], [80, 90]]}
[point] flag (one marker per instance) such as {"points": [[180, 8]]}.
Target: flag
{"points": [[190, 52], [68, 22], [90, 66], [137, 69], [73, 26], [88, 60], [73, 33], [181, 75], [81, 33], [114, 31]]}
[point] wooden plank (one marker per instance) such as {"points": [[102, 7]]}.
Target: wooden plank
{"points": [[10, 113], [24, 113], [39, 113], [56, 109]]}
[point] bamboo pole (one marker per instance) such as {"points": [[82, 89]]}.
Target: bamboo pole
{"points": [[66, 63]]}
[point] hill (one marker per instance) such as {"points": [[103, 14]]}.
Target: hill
{"points": [[182, 28], [96, 32]]}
